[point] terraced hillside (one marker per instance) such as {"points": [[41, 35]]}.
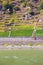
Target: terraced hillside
{"points": [[22, 20]]}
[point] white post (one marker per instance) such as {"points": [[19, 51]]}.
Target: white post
{"points": [[9, 34]]}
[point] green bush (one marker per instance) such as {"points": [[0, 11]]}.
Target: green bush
{"points": [[41, 5], [8, 6], [31, 12], [22, 1], [24, 4], [16, 8], [28, 4]]}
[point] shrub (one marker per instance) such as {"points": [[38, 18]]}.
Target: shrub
{"points": [[24, 4], [8, 6], [16, 8], [31, 12], [21, 1], [41, 5]]}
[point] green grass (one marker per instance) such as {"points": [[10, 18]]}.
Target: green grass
{"points": [[39, 32], [21, 57], [24, 27], [18, 31], [23, 32], [3, 34]]}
